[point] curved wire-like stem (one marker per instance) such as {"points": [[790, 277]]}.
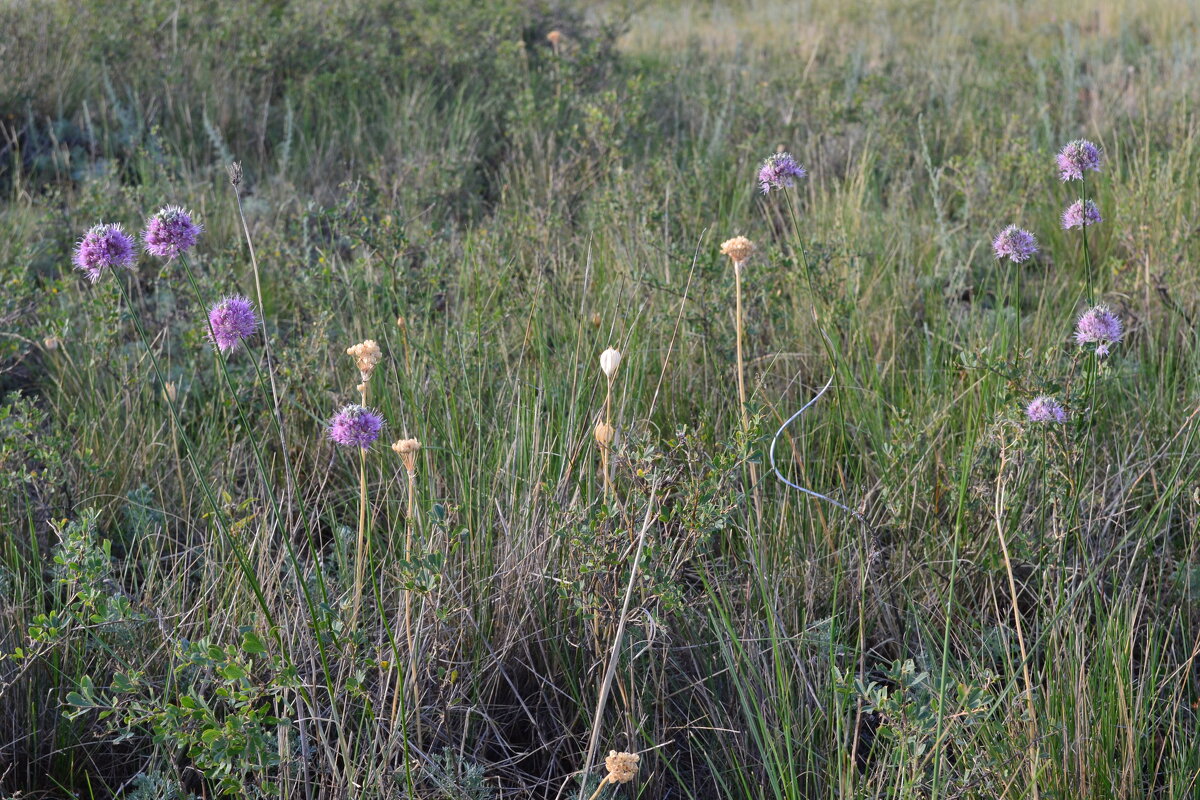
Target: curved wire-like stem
{"points": [[774, 468]]}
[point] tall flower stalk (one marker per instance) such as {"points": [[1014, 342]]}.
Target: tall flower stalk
{"points": [[739, 249], [604, 433]]}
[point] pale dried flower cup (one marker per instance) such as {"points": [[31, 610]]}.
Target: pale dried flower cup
{"points": [[604, 434], [610, 359]]}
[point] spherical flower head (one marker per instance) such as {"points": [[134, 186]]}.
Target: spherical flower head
{"points": [[780, 171], [610, 359], [230, 320], [355, 426], [739, 249], [1045, 409], [367, 355], [103, 247], [1099, 326], [1080, 214], [1076, 157], [1015, 244], [170, 232], [622, 767]]}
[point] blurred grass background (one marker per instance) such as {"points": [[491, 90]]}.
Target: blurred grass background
{"points": [[523, 206]]}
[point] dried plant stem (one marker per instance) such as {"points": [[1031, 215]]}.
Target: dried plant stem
{"points": [[359, 550], [611, 670], [1012, 590], [258, 296], [741, 383], [600, 787], [604, 448]]}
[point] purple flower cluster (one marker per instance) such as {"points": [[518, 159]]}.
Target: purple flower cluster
{"points": [[231, 320], [780, 171], [103, 247], [170, 232], [1045, 409], [1076, 157], [1099, 326], [1081, 214], [355, 426], [1015, 244]]}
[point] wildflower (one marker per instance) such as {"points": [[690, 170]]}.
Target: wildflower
{"points": [[555, 38], [170, 232], [231, 320], [1045, 409], [407, 450], [604, 434], [103, 247], [739, 249], [780, 171], [1099, 326], [610, 359], [366, 356], [1015, 244], [355, 426], [1080, 214], [1076, 157], [622, 767]]}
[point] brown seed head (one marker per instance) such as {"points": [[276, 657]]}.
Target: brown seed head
{"points": [[407, 450], [739, 249], [555, 38], [366, 355], [235, 174], [172, 390], [622, 767], [51, 342]]}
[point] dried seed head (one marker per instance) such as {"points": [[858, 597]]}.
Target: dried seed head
{"points": [[610, 359], [51, 342], [172, 390], [235, 174], [604, 434], [407, 450], [366, 356], [739, 249], [622, 767], [555, 38], [401, 324], [596, 319]]}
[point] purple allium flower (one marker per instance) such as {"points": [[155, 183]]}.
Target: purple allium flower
{"points": [[780, 171], [1080, 214], [1045, 409], [355, 426], [1100, 326], [103, 247], [231, 320], [1015, 244], [1075, 158], [170, 232]]}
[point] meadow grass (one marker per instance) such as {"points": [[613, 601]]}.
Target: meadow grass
{"points": [[192, 604]]}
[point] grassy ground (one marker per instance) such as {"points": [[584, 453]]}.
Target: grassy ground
{"points": [[1014, 616]]}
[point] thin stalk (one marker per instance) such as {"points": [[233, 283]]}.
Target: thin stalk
{"points": [[1012, 589], [741, 384], [611, 670]]}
